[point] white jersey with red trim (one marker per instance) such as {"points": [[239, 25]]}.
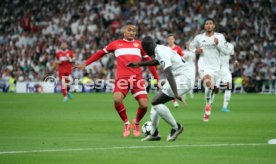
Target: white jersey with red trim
{"points": [[126, 52]]}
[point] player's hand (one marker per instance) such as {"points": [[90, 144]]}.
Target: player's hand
{"points": [[182, 100], [216, 40], [80, 66], [132, 65], [199, 51]]}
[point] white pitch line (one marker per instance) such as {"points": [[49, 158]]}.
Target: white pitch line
{"points": [[127, 147]]}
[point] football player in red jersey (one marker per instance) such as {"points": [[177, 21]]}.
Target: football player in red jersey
{"points": [[127, 50], [64, 59], [179, 51]]}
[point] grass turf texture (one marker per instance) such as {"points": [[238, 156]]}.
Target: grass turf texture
{"points": [[43, 122]]}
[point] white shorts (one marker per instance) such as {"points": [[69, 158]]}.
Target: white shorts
{"points": [[225, 76], [183, 84], [215, 75]]}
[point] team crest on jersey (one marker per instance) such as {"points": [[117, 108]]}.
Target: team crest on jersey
{"points": [[136, 44]]}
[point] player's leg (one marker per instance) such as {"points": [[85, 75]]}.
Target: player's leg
{"points": [[118, 97], [207, 81], [163, 111], [226, 98], [62, 78], [121, 110], [159, 110], [140, 94], [227, 93], [191, 93], [213, 94], [69, 81]]}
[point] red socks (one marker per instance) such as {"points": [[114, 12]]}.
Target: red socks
{"points": [[64, 92], [121, 111], [140, 114]]}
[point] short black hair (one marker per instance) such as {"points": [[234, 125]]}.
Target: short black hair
{"points": [[148, 44], [171, 34], [130, 23], [209, 19]]}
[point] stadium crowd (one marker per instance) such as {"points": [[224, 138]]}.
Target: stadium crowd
{"points": [[30, 32]]}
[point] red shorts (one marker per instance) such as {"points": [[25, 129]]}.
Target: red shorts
{"points": [[66, 76], [136, 86]]}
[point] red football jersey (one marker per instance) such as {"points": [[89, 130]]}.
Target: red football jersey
{"points": [[126, 52], [178, 50], [65, 66]]}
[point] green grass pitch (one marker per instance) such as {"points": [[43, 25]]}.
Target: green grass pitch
{"points": [[40, 128]]}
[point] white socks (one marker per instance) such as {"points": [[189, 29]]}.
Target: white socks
{"points": [[227, 97], [212, 98], [165, 113], [208, 93], [154, 120]]}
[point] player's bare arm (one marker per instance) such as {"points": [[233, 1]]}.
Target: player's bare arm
{"points": [[80, 66], [152, 62]]}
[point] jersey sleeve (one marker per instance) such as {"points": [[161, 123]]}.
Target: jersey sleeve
{"points": [[226, 48], [165, 59], [110, 47], [144, 54], [180, 51], [194, 44]]}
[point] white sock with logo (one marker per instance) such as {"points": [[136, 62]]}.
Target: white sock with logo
{"points": [[227, 97]]}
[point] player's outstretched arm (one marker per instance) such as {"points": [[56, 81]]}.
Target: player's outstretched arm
{"points": [[93, 57], [80, 66], [152, 62]]}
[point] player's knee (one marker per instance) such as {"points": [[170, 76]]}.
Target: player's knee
{"points": [[143, 106], [207, 82], [117, 100]]}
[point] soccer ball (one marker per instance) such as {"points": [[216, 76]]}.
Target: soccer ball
{"points": [[146, 128]]}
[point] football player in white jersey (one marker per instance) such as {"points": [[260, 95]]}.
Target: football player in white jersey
{"points": [[206, 46], [226, 50], [190, 57], [178, 74]]}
